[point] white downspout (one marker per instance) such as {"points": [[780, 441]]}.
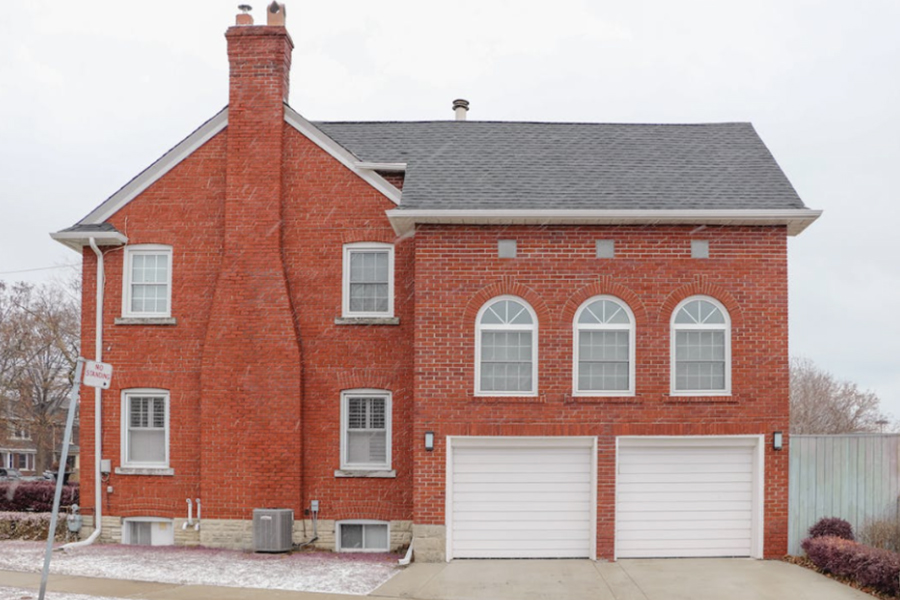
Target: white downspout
{"points": [[98, 353]]}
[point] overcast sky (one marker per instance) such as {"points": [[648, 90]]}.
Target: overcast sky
{"points": [[92, 93]]}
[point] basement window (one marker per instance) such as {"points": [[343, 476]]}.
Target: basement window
{"points": [[363, 536], [148, 531]]}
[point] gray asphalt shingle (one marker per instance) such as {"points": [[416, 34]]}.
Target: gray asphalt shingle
{"points": [[511, 165]]}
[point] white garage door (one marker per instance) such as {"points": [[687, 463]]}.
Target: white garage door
{"points": [[521, 498], [683, 497]]}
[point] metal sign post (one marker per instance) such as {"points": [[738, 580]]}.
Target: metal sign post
{"points": [[61, 476]]}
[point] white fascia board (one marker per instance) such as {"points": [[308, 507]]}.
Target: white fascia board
{"points": [[76, 240], [796, 220], [340, 154], [387, 167], [163, 165]]}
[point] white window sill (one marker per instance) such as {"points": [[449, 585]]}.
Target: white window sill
{"points": [[367, 320], [146, 321], [144, 471], [378, 474]]}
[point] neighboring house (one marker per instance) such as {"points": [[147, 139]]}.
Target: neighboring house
{"points": [[492, 339], [17, 449]]}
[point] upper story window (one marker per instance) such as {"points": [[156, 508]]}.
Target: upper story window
{"points": [[366, 430], [701, 348], [604, 348], [145, 428], [19, 432], [148, 281], [368, 288], [506, 348]]}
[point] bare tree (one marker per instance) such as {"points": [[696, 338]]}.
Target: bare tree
{"points": [[39, 340], [820, 403]]}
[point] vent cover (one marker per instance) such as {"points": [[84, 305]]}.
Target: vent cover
{"points": [[272, 529]]}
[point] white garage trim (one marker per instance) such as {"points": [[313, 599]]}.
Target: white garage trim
{"points": [[755, 444], [521, 442]]}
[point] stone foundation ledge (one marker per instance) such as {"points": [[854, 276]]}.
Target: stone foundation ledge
{"points": [[429, 543]]}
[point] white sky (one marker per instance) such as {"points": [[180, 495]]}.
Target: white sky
{"points": [[92, 93]]}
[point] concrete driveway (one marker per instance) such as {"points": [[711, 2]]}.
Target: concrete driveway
{"points": [[645, 579]]}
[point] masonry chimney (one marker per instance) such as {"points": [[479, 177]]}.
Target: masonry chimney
{"points": [[460, 107], [250, 329], [244, 17]]}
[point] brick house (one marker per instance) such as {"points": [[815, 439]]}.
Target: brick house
{"points": [[492, 339]]}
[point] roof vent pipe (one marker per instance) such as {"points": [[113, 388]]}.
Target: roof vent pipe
{"points": [[460, 107], [244, 17]]}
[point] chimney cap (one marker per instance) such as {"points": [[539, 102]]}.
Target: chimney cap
{"points": [[244, 8], [275, 14], [460, 103]]}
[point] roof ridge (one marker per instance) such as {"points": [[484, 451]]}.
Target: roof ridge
{"points": [[498, 122]]}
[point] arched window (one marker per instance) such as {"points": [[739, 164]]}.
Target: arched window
{"points": [[701, 348], [506, 348], [604, 348]]}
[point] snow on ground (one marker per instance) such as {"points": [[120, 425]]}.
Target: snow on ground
{"points": [[302, 571], [7, 593]]}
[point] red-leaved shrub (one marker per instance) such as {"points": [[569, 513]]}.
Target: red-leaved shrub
{"points": [[871, 567], [832, 526], [34, 496]]}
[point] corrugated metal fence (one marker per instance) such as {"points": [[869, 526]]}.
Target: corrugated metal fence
{"points": [[854, 477]]}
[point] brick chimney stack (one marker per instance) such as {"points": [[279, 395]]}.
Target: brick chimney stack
{"points": [[250, 375]]}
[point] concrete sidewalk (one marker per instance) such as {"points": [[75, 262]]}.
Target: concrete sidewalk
{"points": [[648, 579], [118, 588]]}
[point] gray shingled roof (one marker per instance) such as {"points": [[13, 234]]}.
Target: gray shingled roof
{"points": [[79, 228], [508, 165]]}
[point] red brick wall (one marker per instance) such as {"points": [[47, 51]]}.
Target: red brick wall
{"points": [[457, 271]]}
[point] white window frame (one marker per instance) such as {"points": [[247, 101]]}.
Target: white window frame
{"points": [[673, 328], [578, 328], [20, 429], [126, 419], [533, 328], [161, 539], [339, 534], [346, 395], [349, 249], [128, 271]]}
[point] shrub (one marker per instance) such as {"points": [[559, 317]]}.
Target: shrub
{"points": [[882, 533], [872, 567], [34, 496], [30, 526], [832, 526]]}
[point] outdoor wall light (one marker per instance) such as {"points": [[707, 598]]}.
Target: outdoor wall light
{"points": [[777, 440], [429, 440]]}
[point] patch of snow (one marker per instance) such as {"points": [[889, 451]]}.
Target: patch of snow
{"points": [[302, 571]]}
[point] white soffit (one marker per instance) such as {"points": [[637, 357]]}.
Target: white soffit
{"points": [[363, 170], [76, 240], [163, 165], [796, 220]]}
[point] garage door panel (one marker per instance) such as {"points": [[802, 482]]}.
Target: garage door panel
{"points": [[524, 552], [675, 468], [548, 476], [512, 489], [693, 507], [686, 534], [695, 525], [692, 478], [492, 524], [623, 515], [684, 497], [538, 519], [528, 535], [737, 487], [518, 501], [679, 498]]}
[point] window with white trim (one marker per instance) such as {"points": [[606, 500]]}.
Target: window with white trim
{"points": [[604, 348], [366, 430], [19, 432], [506, 348], [145, 428], [701, 348], [148, 281], [363, 536], [368, 288]]}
